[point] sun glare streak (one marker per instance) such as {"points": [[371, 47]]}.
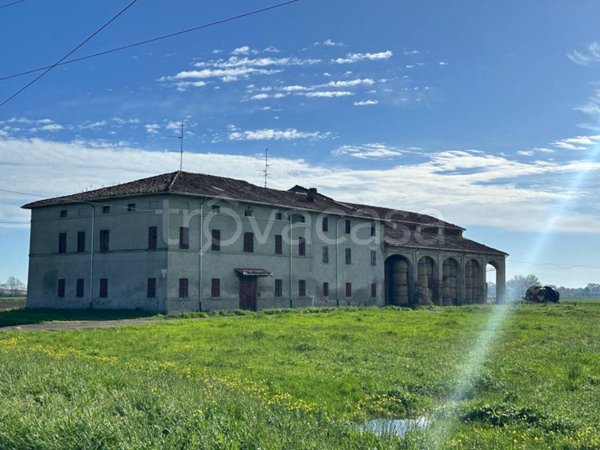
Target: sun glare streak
{"points": [[485, 343]]}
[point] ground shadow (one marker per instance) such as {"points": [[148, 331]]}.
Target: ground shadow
{"points": [[24, 316]]}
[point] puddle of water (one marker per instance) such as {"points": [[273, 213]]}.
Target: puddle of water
{"points": [[396, 426]]}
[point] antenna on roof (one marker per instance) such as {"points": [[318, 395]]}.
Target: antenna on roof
{"points": [[180, 137], [265, 171]]}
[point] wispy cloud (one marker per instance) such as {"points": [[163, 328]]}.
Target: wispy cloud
{"points": [[368, 151], [152, 128], [326, 94], [590, 55], [357, 57], [269, 134], [329, 43], [577, 142], [366, 102]]}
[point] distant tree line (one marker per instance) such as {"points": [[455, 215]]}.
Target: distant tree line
{"points": [[13, 287], [516, 287]]}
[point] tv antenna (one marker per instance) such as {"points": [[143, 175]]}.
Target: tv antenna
{"points": [[180, 137], [265, 171]]}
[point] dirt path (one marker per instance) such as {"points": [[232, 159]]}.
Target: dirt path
{"points": [[77, 325]]}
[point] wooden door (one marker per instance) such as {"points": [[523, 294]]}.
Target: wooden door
{"points": [[248, 293]]}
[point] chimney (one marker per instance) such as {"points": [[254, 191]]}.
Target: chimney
{"points": [[310, 196]]}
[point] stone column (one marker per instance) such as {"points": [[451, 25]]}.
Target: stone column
{"points": [[501, 281]]}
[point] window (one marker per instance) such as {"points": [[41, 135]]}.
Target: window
{"points": [[104, 240], [79, 287], [373, 229], [278, 288], [302, 288], [105, 209], [278, 244], [325, 224], [215, 246], [278, 216], [62, 242], [151, 288], [215, 287], [325, 289], [152, 238], [63, 213], [60, 291], [81, 242], [348, 289], [301, 246], [183, 288], [348, 256], [373, 289], [248, 212], [373, 258], [325, 254], [248, 242], [216, 208], [131, 207], [103, 287], [298, 218], [348, 226], [184, 238]]}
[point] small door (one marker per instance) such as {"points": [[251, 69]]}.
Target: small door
{"points": [[248, 293]]}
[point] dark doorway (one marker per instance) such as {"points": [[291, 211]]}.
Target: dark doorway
{"points": [[248, 293]]}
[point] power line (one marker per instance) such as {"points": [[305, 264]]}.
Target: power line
{"points": [[22, 193], [6, 5], [147, 41], [111, 20]]}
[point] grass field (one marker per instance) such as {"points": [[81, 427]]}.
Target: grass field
{"points": [[308, 379]]}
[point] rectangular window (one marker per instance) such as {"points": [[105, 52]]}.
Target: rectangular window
{"points": [[278, 288], [151, 288], [348, 256], [63, 213], [325, 289], [278, 244], [325, 224], [62, 243], [302, 288], [131, 207], [373, 289], [215, 287], [79, 287], [373, 229], [103, 287], [298, 218], [215, 246], [278, 216], [373, 257], [104, 240], [216, 208], [60, 290], [248, 242], [183, 288], [248, 212], [325, 254], [184, 238], [301, 246], [105, 209], [81, 242], [348, 289], [348, 226], [152, 238]]}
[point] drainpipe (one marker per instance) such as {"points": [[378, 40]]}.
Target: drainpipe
{"points": [[91, 290], [291, 254], [337, 270], [200, 292]]}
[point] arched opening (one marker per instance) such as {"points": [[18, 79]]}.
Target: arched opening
{"points": [[450, 282], [473, 282], [428, 285], [398, 275], [491, 281]]}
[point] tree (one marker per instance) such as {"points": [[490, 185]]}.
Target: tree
{"points": [[517, 286], [15, 286]]}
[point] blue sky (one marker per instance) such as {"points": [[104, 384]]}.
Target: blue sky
{"points": [[485, 114]]}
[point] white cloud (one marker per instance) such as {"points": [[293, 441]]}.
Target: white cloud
{"points": [[329, 43], [51, 127], [577, 142], [350, 83], [366, 102], [357, 57], [368, 151], [326, 94], [267, 134], [526, 152], [152, 128], [411, 52], [245, 50], [271, 49], [443, 63], [590, 55]]}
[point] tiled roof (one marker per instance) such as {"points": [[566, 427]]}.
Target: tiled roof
{"points": [[298, 197]]}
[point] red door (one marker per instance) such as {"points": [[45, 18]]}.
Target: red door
{"points": [[248, 293]]}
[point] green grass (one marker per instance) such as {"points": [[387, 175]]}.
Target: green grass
{"points": [[304, 379]]}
